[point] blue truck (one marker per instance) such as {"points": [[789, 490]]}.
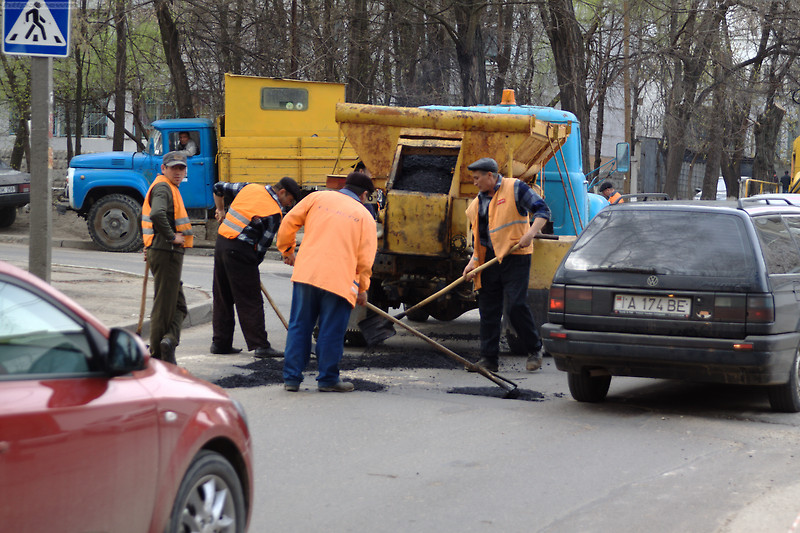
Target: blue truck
{"points": [[108, 188]]}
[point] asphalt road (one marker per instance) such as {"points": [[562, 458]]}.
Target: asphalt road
{"points": [[657, 456]]}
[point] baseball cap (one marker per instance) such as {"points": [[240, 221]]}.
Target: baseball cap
{"points": [[360, 180], [290, 186], [176, 157]]}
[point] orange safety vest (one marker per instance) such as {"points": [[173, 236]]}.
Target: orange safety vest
{"points": [[253, 200], [182, 223], [339, 243], [506, 225], [614, 198]]}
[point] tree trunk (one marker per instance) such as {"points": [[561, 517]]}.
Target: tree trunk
{"points": [[120, 77], [505, 30], [294, 44], [21, 146], [358, 60], [569, 55], [172, 52], [715, 136], [694, 41], [68, 130], [766, 132], [470, 52]]}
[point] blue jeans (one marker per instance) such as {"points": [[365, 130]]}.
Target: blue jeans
{"points": [[310, 304]]}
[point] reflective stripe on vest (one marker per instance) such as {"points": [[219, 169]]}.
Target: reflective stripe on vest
{"points": [[253, 200], [506, 225], [182, 223]]}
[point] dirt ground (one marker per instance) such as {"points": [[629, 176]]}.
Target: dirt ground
{"points": [[66, 226]]}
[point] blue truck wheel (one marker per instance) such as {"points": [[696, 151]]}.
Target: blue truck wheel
{"points": [[114, 223]]}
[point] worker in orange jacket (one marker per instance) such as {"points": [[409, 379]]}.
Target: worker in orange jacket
{"points": [[331, 275], [607, 190]]}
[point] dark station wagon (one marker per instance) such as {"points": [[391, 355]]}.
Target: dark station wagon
{"points": [[681, 290]]}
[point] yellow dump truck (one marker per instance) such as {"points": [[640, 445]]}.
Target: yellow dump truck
{"points": [[420, 157]]}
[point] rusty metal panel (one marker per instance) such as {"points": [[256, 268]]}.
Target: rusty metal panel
{"points": [[547, 255], [416, 223]]}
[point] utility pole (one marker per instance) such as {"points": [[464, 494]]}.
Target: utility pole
{"points": [[39, 250]]}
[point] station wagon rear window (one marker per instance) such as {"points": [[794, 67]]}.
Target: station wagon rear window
{"points": [[284, 98], [665, 242]]}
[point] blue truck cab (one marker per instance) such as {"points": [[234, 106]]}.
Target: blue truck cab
{"points": [[108, 189], [565, 184]]}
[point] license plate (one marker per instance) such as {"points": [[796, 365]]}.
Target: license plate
{"points": [[637, 304], [8, 189]]}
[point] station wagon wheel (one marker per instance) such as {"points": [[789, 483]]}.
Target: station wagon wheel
{"points": [[210, 498], [587, 388], [786, 398]]}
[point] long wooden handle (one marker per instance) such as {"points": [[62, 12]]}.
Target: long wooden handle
{"points": [[274, 307], [144, 296], [498, 380], [452, 285]]}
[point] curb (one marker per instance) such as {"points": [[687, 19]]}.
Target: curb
{"points": [[196, 315]]}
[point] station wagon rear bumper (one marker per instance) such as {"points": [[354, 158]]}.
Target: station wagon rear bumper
{"points": [[767, 362]]}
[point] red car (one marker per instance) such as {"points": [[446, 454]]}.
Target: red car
{"points": [[97, 436]]}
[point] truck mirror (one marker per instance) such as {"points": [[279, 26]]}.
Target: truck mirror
{"points": [[623, 157]]}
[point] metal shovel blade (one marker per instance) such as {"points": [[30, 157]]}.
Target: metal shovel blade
{"points": [[376, 329]]}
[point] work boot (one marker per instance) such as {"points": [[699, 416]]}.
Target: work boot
{"points": [[491, 365], [167, 349], [267, 351], [535, 360], [223, 351], [339, 386]]}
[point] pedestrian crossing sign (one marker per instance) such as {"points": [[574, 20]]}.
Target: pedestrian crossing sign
{"points": [[36, 27]]}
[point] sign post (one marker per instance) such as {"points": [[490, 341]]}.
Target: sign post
{"points": [[41, 29]]}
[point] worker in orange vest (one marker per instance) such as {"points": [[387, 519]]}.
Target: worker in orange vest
{"points": [[499, 217], [607, 190], [166, 231], [246, 231], [331, 275]]}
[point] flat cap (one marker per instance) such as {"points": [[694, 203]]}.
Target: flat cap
{"points": [[177, 157], [606, 185], [487, 164], [290, 186], [361, 181]]}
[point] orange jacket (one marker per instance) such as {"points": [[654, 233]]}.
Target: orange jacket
{"points": [[339, 243], [182, 222], [253, 200], [614, 198]]}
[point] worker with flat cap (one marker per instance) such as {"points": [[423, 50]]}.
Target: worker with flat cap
{"points": [[331, 275], [607, 190], [500, 218], [246, 231]]}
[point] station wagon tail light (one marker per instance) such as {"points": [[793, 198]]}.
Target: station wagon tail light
{"points": [[557, 299], [730, 308], [760, 308], [578, 300], [24, 187]]}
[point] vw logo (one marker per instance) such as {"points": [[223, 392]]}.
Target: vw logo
{"points": [[652, 281]]}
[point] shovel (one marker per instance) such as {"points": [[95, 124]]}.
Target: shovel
{"points": [[274, 307], [506, 384], [144, 296], [376, 330]]}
